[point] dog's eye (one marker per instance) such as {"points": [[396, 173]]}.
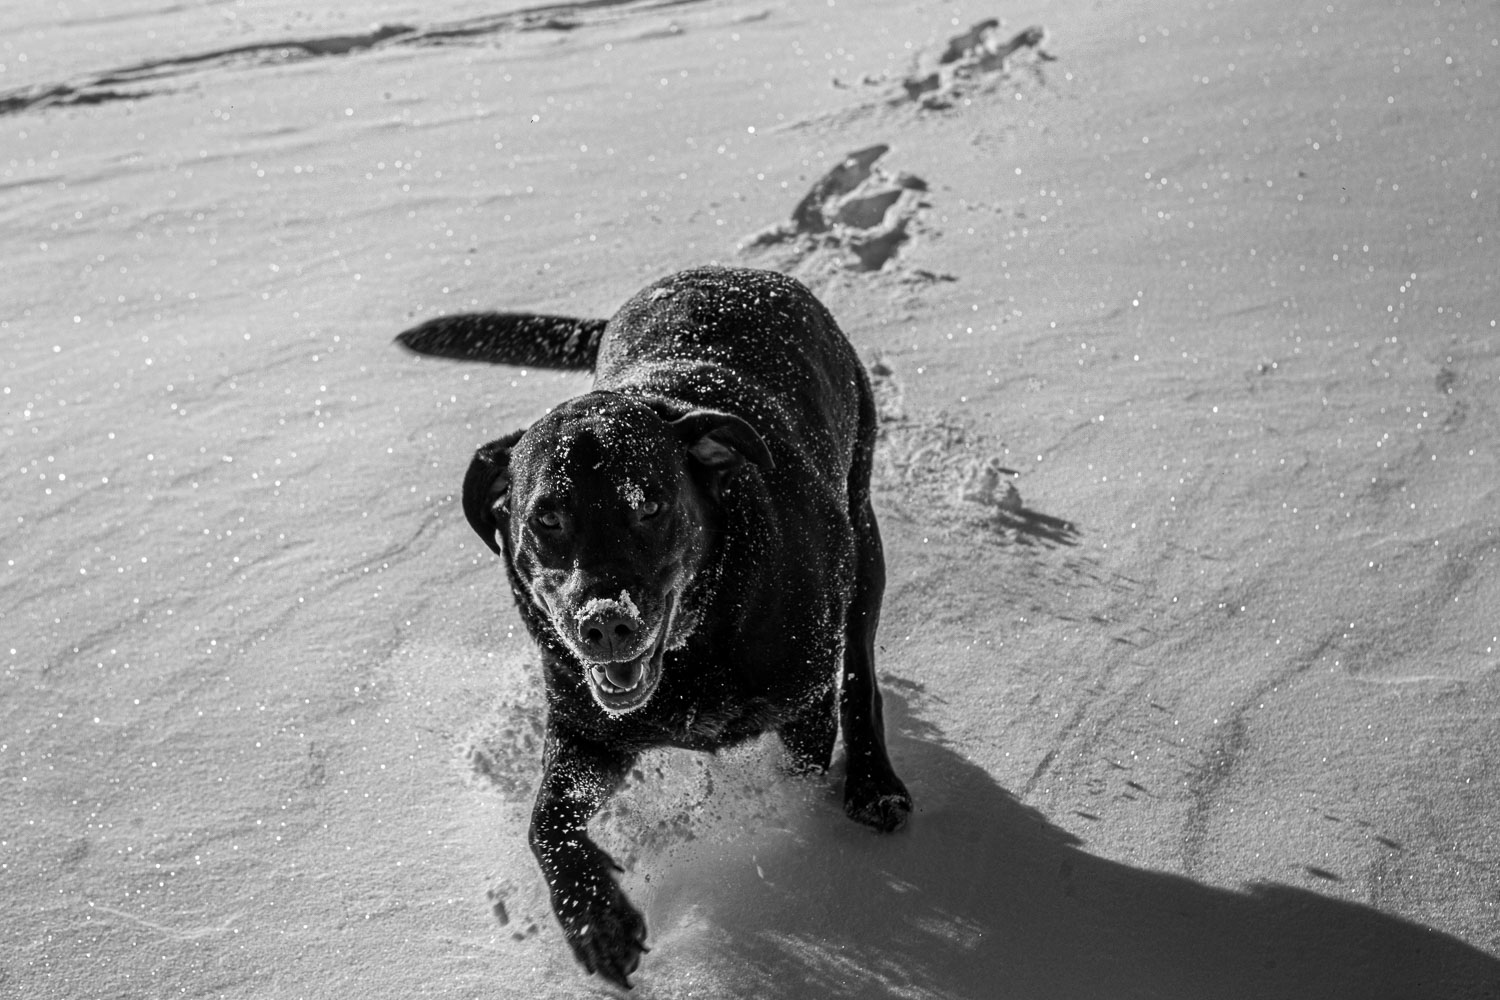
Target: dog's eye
{"points": [[649, 509], [549, 519]]}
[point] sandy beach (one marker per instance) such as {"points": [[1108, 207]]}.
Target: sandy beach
{"points": [[1183, 319]]}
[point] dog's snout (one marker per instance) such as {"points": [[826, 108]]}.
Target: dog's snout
{"points": [[608, 635]]}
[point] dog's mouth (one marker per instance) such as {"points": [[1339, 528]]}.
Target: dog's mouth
{"points": [[625, 685]]}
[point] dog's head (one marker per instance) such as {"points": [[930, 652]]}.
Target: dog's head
{"points": [[605, 509]]}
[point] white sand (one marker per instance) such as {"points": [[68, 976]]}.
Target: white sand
{"points": [[1215, 715]]}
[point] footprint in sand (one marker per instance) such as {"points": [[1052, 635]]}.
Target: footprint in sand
{"points": [[502, 748], [972, 60], [856, 214]]}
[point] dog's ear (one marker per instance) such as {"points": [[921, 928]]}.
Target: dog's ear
{"points": [[487, 487], [720, 441]]}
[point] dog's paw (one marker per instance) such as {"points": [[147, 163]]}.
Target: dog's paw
{"points": [[608, 936], [880, 803]]}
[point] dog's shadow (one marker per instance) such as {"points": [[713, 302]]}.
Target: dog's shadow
{"points": [[981, 897]]}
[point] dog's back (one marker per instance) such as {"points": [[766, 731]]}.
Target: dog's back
{"points": [[751, 342], [755, 343]]}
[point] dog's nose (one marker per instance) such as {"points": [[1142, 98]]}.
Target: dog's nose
{"points": [[608, 635]]}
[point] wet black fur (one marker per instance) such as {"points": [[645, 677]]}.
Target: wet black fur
{"points": [[787, 594]]}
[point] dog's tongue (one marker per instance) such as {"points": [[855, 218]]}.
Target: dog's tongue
{"points": [[624, 676]]}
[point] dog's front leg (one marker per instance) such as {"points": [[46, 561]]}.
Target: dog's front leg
{"points": [[606, 933]]}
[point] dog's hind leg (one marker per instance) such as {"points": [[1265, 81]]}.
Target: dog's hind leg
{"points": [[873, 794], [607, 934]]}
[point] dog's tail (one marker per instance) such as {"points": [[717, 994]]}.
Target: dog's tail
{"points": [[509, 339]]}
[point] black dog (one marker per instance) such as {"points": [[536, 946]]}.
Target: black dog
{"points": [[694, 552]]}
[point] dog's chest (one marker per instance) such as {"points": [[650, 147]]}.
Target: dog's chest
{"points": [[710, 723], [713, 729]]}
